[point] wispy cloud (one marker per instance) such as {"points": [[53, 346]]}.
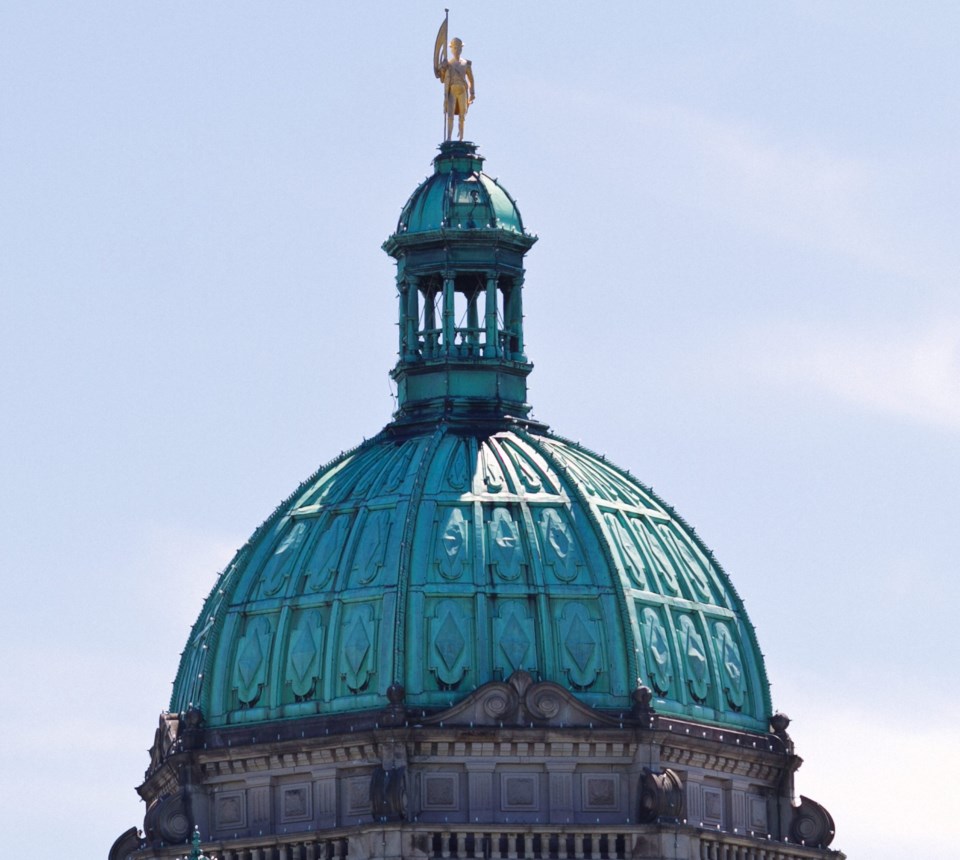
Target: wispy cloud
{"points": [[799, 190], [912, 374]]}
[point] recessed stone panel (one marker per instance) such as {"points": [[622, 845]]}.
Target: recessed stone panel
{"points": [[519, 792], [599, 792], [296, 803], [757, 808], [712, 806], [358, 795], [230, 810], [440, 791]]}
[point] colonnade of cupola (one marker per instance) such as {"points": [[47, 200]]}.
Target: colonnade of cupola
{"points": [[462, 316]]}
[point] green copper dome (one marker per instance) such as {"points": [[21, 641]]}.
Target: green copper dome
{"points": [[446, 559], [465, 542], [458, 196]]}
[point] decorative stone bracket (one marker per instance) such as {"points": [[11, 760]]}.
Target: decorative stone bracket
{"points": [[388, 794], [811, 824], [661, 795]]}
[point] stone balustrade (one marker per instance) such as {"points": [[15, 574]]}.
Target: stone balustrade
{"points": [[533, 844], [723, 846], [503, 842]]}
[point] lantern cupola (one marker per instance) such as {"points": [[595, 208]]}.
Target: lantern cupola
{"points": [[459, 247]]}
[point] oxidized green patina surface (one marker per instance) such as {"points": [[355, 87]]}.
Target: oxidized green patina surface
{"points": [[465, 542], [459, 196], [444, 560]]}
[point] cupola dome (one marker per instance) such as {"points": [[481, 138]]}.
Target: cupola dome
{"points": [[458, 196]]}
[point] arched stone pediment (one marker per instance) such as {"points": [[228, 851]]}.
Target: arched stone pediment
{"points": [[521, 701]]}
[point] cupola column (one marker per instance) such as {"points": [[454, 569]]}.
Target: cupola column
{"points": [[448, 310], [473, 323], [513, 321], [402, 289], [517, 321], [490, 348], [411, 317], [429, 323]]}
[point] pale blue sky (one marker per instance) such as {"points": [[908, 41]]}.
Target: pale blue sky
{"points": [[745, 291]]}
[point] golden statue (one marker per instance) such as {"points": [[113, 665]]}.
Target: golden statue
{"points": [[456, 75]]}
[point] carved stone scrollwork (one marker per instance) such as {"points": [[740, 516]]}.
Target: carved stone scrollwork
{"points": [[498, 702], [661, 795], [522, 701], [388, 794], [169, 819], [126, 844], [543, 703], [811, 824]]}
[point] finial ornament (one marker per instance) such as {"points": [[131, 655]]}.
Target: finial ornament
{"points": [[456, 75], [196, 853]]}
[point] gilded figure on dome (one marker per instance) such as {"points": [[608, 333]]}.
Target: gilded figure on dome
{"points": [[456, 75]]}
